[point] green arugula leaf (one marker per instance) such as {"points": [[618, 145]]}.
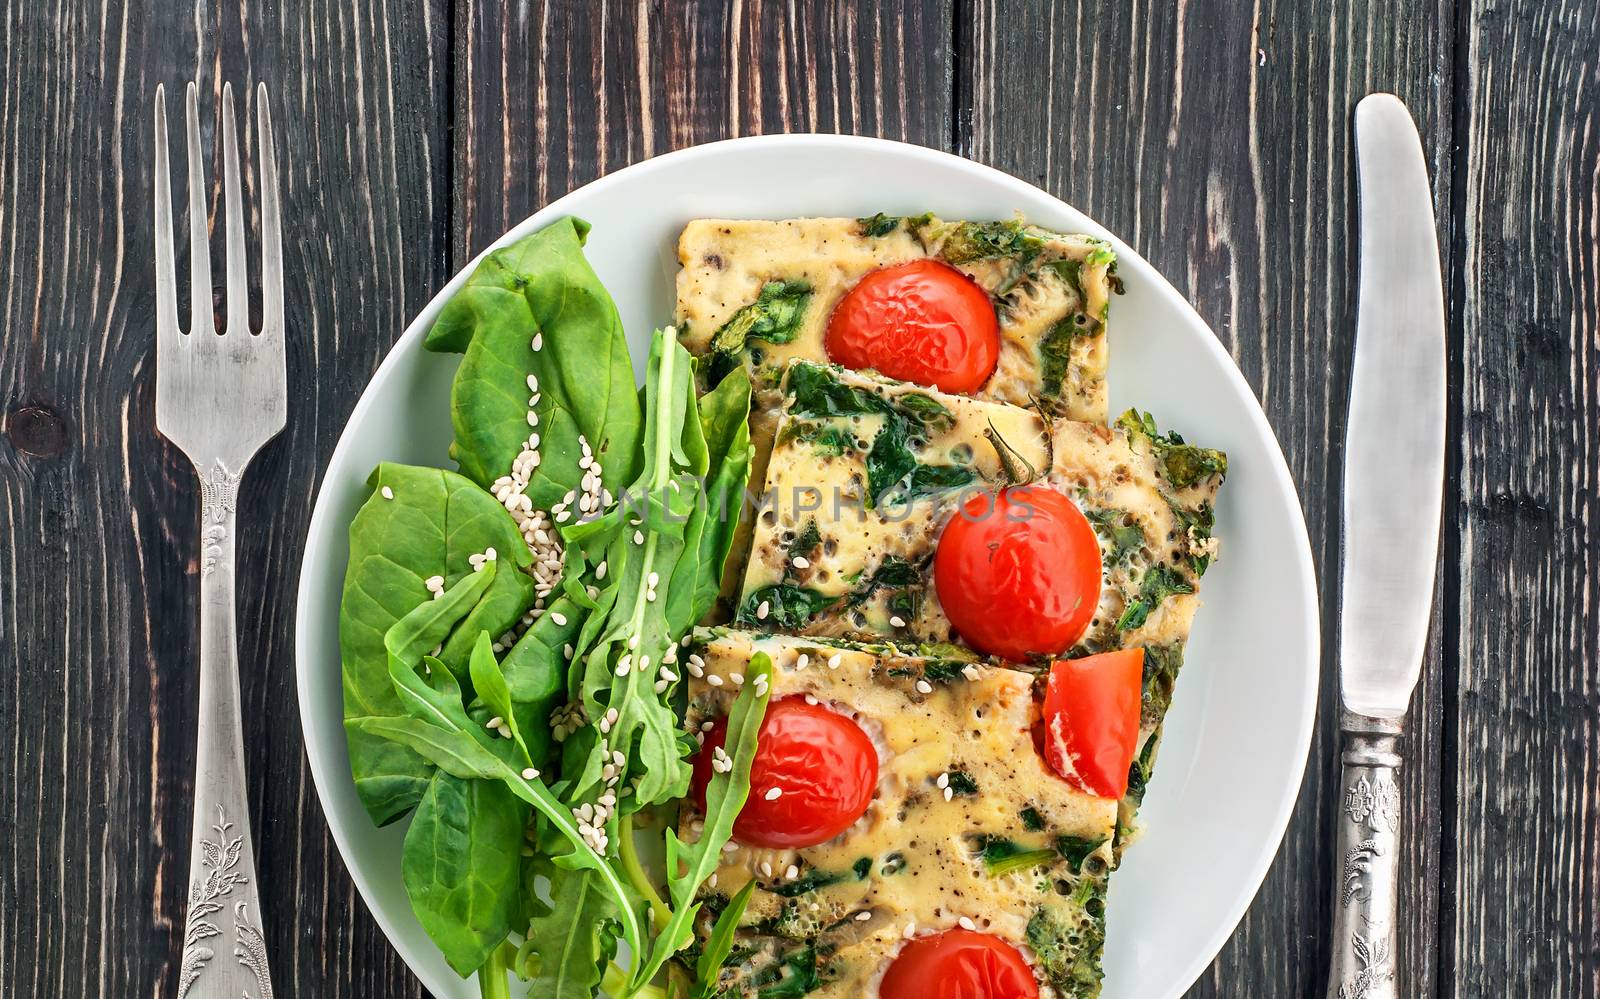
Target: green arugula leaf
{"points": [[688, 865], [574, 940], [719, 944]]}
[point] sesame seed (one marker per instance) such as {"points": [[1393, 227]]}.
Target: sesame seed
{"points": [[943, 781], [653, 580], [387, 493], [910, 930], [966, 923], [801, 562], [766, 869], [897, 621], [924, 687], [714, 680], [763, 610], [811, 700], [533, 382], [600, 571], [660, 686], [773, 794], [791, 873], [538, 341], [533, 418], [559, 618], [638, 537], [863, 916], [530, 774], [496, 721], [835, 659], [802, 662], [949, 793]]}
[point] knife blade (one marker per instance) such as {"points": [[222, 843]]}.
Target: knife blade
{"points": [[1393, 494], [1394, 440]]}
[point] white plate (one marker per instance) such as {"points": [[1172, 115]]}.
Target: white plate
{"points": [[1240, 725]]}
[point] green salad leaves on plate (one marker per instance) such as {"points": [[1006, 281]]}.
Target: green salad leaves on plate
{"points": [[510, 633]]}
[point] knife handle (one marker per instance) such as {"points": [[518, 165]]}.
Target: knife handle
{"points": [[1367, 889]]}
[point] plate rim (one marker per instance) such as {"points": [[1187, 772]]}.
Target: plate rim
{"points": [[1304, 566]]}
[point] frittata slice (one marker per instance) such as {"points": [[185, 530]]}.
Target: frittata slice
{"points": [[1149, 496], [863, 472], [966, 828], [761, 292]]}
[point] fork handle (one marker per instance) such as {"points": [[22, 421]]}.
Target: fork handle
{"points": [[224, 909], [1366, 892]]}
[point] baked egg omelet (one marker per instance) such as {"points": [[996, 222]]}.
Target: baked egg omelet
{"points": [[966, 829]]}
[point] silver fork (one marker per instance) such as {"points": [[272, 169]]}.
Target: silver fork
{"points": [[220, 396]]}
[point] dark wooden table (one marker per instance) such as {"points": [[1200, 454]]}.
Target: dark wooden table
{"points": [[1213, 136]]}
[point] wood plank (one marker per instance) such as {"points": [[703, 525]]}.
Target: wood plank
{"points": [[1215, 138], [554, 94], [98, 515], [1525, 854]]}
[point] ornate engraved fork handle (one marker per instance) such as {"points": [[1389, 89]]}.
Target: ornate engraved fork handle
{"points": [[1367, 889], [224, 954]]}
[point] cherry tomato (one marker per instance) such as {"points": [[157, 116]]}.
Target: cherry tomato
{"points": [[823, 766], [958, 964], [1018, 574], [1090, 719], [922, 322]]}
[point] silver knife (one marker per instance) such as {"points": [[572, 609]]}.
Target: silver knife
{"points": [[1393, 491]]}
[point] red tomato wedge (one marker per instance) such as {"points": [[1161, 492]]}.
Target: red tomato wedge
{"points": [[922, 322], [823, 768], [1090, 719], [958, 964], [1018, 573]]}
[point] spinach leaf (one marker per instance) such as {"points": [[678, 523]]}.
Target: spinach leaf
{"points": [[1196, 525], [1032, 820], [1055, 353], [575, 939], [789, 607], [795, 977], [1124, 539], [1067, 945], [539, 287], [878, 225], [462, 864], [810, 881], [1161, 666], [862, 868], [817, 393], [1183, 464], [724, 423], [826, 439], [434, 522], [925, 410], [1002, 856], [719, 945], [962, 784], [1075, 849], [804, 545], [689, 864], [969, 241], [1158, 583], [535, 675], [893, 472], [774, 317]]}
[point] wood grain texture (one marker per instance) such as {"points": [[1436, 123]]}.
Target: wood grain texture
{"points": [[554, 93], [1212, 135], [1526, 771], [98, 515], [1215, 138]]}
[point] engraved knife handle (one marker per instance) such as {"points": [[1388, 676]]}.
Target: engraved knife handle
{"points": [[1367, 890], [224, 910]]}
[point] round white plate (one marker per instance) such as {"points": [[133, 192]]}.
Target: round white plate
{"points": [[1240, 725]]}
